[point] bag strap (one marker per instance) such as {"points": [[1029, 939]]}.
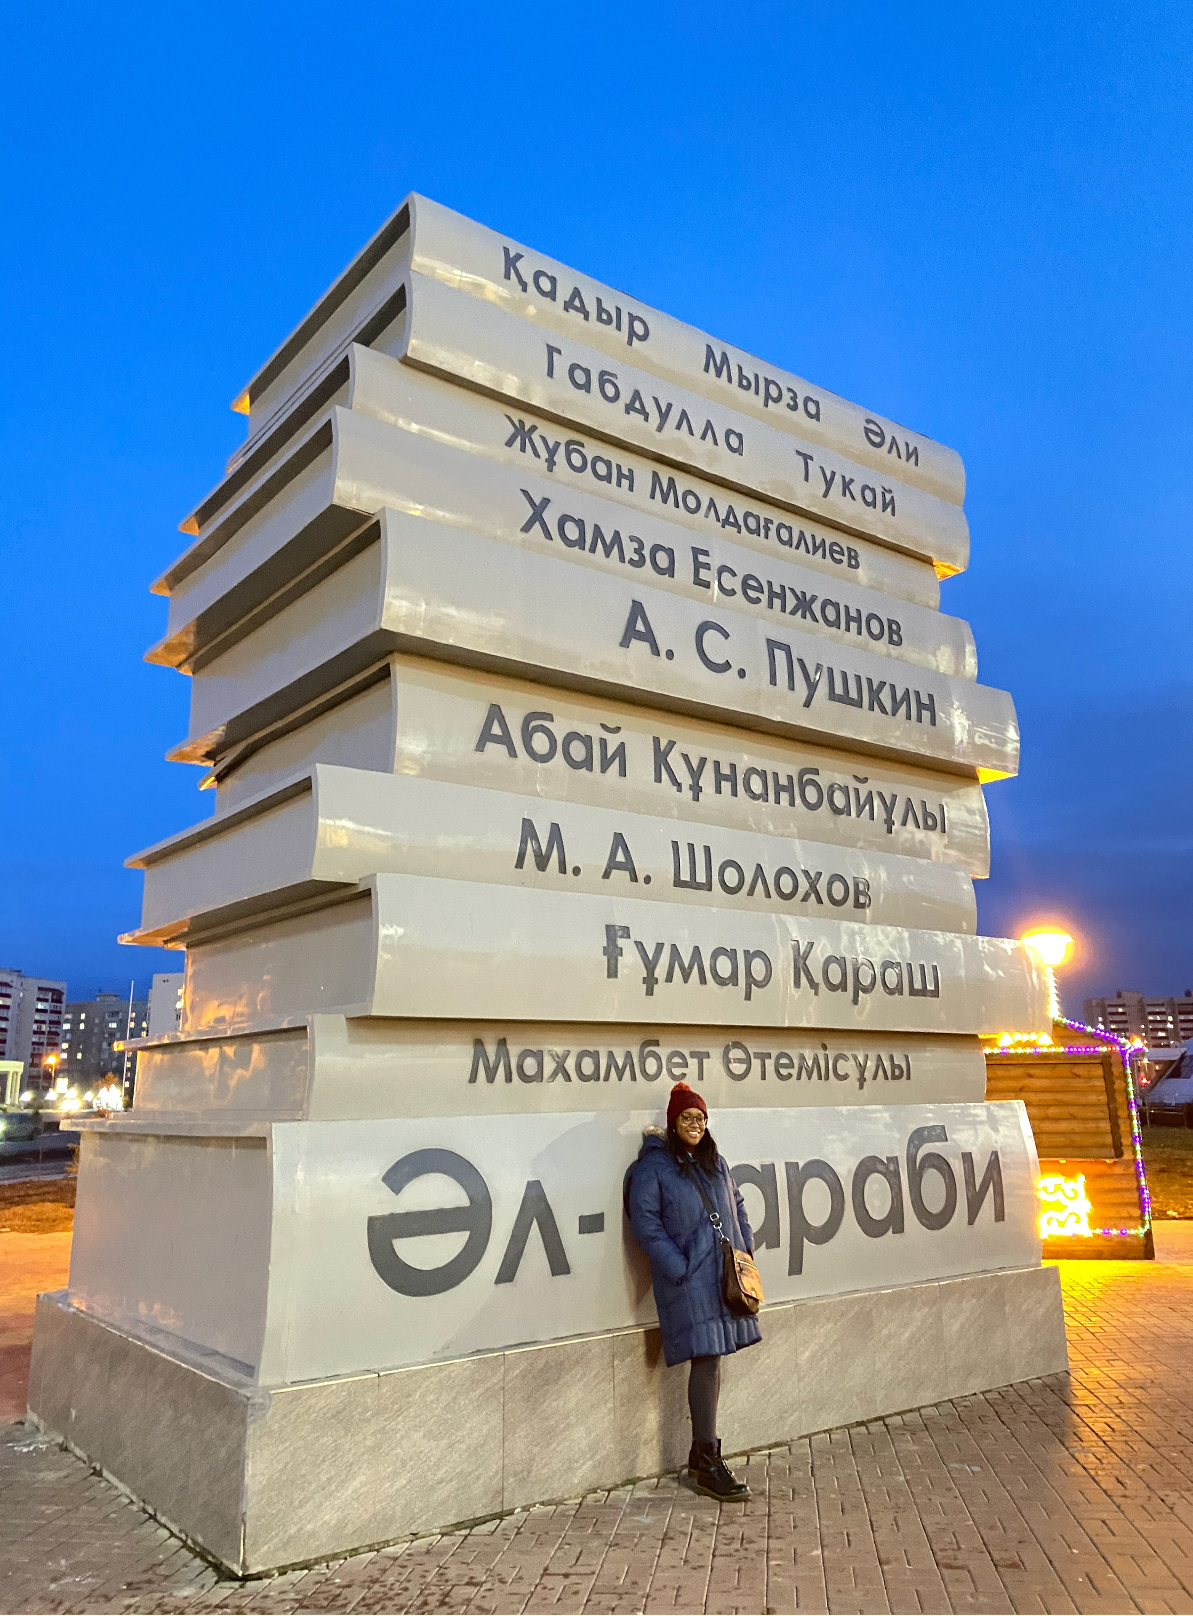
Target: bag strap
{"points": [[713, 1215]]}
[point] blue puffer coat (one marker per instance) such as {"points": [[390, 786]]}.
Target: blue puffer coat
{"points": [[671, 1224]]}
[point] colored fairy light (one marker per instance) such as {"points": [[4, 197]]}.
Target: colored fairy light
{"points": [[1024, 1043], [1017, 1042], [1130, 1054], [1066, 1206]]}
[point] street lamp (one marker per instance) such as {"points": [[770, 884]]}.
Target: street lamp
{"points": [[52, 1062], [1052, 948]]}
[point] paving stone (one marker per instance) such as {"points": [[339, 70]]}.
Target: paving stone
{"points": [[1072, 1494]]}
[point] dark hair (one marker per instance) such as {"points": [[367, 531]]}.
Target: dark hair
{"points": [[705, 1152]]}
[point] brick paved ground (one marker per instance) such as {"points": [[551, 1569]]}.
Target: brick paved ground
{"points": [[29, 1263], [1069, 1494]]}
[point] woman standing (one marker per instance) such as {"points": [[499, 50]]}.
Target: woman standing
{"points": [[671, 1223]]}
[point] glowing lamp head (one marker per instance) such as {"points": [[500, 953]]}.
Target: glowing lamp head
{"points": [[1052, 947]]}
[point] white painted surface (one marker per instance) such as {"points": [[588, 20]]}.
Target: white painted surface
{"points": [[358, 732], [173, 1235], [428, 719], [378, 460], [424, 947], [331, 1311], [434, 409], [337, 826], [489, 266], [263, 1075], [375, 462], [456, 595], [371, 1066], [173, 1231], [320, 960], [252, 531], [454, 335]]}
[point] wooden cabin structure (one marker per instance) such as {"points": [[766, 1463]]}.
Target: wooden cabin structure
{"points": [[1082, 1104]]}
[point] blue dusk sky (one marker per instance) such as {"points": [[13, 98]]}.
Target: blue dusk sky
{"points": [[973, 219]]}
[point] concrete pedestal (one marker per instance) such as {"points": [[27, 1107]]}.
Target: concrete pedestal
{"points": [[261, 1477]]}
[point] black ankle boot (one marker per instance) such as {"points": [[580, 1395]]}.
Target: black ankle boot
{"points": [[709, 1474]]}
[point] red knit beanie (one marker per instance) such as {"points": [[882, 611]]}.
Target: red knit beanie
{"points": [[684, 1099]]}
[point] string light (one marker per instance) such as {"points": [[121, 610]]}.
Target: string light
{"points": [[1021, 1043]]}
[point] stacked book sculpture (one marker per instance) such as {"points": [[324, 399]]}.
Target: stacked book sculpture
{"points": [[580, 717]]}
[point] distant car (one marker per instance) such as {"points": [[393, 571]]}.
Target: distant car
{"points": [[18, 1125], [1170, 1102]]}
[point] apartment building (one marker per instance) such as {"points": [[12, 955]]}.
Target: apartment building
{"points": [[165, 1002], [30, 1022], [91, 1030], [1160, 1023]]}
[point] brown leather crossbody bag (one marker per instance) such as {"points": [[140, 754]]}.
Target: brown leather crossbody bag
{"points": [[741, 1284]]}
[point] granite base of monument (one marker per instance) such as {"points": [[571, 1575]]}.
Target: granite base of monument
{"points": [[260, 1478]]}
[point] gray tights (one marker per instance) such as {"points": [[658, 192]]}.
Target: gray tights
{"points": [[704, 1387]]}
